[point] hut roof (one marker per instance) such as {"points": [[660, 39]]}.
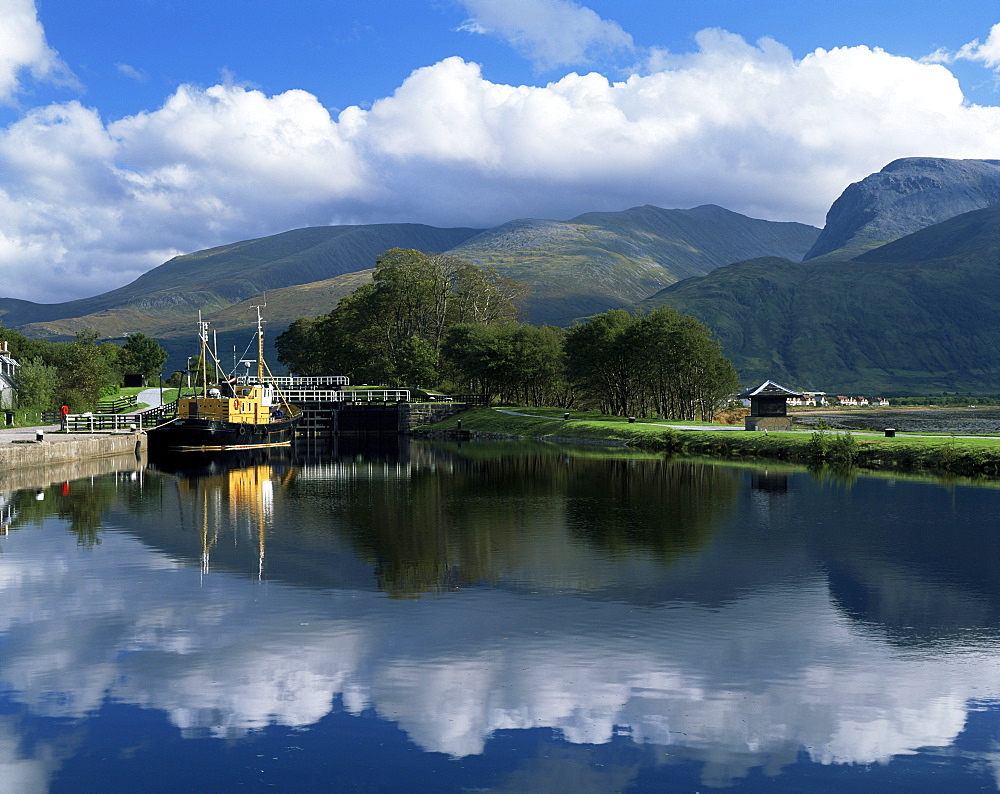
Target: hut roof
{"points": [[769, 389]]}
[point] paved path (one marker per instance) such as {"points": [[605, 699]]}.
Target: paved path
{"points": [[150, 397], [9, 435]]}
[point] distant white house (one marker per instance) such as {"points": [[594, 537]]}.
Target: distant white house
{"points": [[809, 399], [819, 399], [8, 378]]}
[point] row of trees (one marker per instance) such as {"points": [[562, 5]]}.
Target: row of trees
{"points": [[664, 363], [76, 373], [433, 320]]}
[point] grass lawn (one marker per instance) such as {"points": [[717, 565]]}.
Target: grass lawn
{"points": [[971, 456], [594, 416]]}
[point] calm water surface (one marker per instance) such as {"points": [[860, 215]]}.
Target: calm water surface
{"points": [[502, 617]]}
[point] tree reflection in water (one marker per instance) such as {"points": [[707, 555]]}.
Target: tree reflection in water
{"points": [[434, 533]]}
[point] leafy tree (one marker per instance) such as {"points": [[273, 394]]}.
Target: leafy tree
{"points": [[683, 373], [298, 347], [665, 362], [392, 330], [600, 364], [416, 362], [514, 362], [142, 354], [85, 370], [36, 383], [22, 348]]}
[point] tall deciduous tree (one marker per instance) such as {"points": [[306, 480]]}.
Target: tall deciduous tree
{"points": [[298, 347], [143, 354], [36, 383], [86, 368], [600, 363], [392, 330]]}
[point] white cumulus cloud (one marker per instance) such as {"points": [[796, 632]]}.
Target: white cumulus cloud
{"points": [[23, 48], [95, 202], [550, 32], [986, 52]]}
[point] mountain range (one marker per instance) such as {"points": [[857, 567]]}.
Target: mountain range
{"points": [[894, 294], [574, 268]]}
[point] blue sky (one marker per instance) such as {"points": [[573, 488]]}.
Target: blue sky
{"points": [[350, 52], [134, 131]]}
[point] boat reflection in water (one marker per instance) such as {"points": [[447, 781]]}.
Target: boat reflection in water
{"points": [[424, 617], [230, 491]]}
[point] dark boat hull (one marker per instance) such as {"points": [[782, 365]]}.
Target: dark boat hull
{"points": [[204, 435]]}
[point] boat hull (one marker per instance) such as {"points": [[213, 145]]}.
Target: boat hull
{"points": [[205, 435]]}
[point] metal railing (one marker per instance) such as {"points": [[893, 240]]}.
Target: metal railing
{"points": [[348, 396], [102, 423], [471, 399], [297, 381], [158, 414]]}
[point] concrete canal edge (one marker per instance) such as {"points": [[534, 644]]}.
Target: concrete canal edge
{"points": [[25, 453]]}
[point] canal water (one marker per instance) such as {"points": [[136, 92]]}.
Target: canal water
{"points": [[421, 617]]}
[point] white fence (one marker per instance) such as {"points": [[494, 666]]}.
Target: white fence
{"points": [[294, 395], [102, 423], [296, 381]]}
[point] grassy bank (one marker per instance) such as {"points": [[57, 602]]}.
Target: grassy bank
{"points": [[965, 456]]}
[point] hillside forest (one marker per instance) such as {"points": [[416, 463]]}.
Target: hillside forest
{"points": [[438, 321]]}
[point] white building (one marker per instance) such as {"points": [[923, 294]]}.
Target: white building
{"points": [[8, 378]]}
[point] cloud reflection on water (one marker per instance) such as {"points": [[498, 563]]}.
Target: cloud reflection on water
{"points": [[742, 683]]}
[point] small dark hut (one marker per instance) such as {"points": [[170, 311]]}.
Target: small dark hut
{"points": [[768, 406]]}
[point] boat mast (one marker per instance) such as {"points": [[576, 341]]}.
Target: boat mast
{"points": [[203, 336], [260, 343]]}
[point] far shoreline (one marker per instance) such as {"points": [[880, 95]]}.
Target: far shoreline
{"points": [[971, 456]]}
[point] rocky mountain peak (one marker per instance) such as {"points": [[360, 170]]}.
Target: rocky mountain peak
{"points": [[907, 195]]}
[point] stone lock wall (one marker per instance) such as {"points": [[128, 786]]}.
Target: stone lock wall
{"points": [[414, 415], [768, 423]]}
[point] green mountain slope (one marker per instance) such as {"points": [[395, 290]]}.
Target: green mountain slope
{"points": [[589, 264], [603, 260], [213, 279], [233, 326], [891, 320]]}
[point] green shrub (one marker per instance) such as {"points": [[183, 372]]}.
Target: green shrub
{"points": [[843, 449]]}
